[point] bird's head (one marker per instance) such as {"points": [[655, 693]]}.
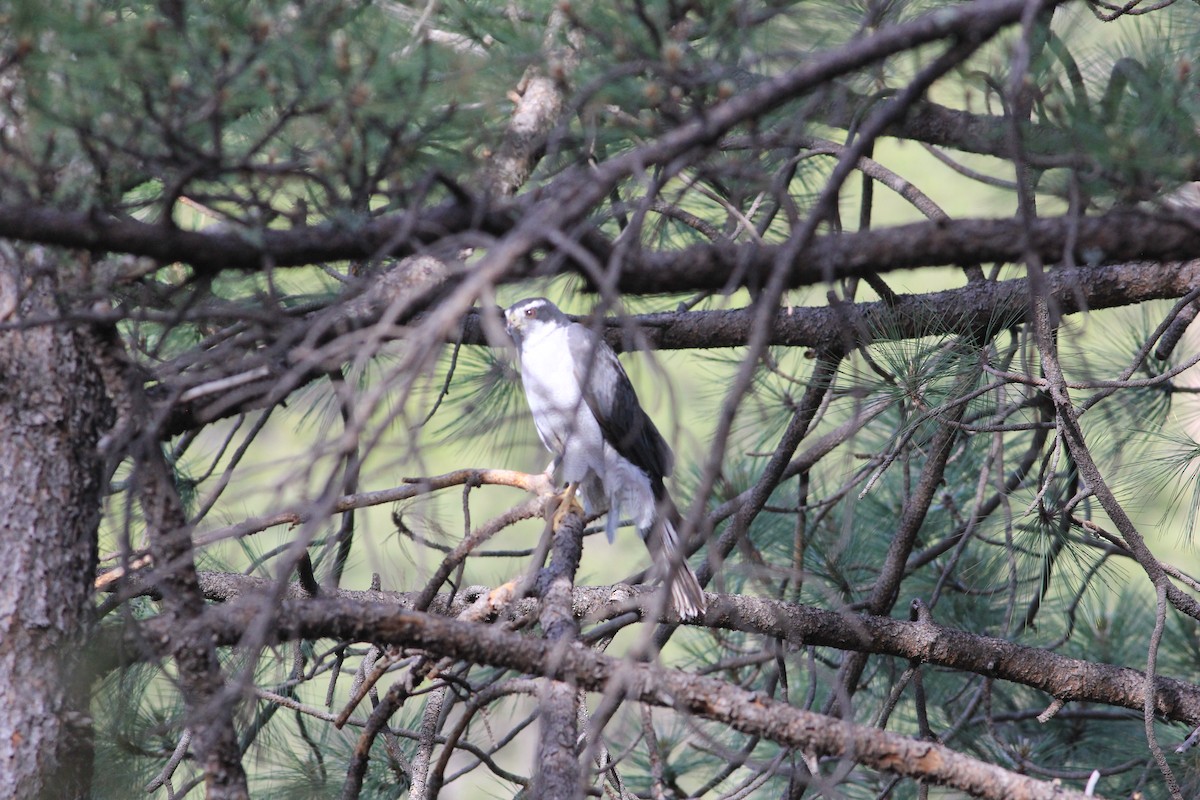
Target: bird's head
{"points": [[525, 318]]}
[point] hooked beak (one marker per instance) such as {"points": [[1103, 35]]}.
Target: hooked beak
{"points": [[510, 325]]}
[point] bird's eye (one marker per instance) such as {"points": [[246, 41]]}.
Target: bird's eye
{"points": [[531, 312]]}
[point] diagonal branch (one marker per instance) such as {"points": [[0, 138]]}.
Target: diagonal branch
{"points": [[568, 198], [1062, 677], [939, 125], [747, 711]]}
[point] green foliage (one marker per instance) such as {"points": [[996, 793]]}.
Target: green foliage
{"points": [[139, 722], [274, 114], [484, 405], [1137, 124], [246, 105]]}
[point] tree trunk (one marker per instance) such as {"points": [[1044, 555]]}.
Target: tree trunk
{"points": [[53, 409]]}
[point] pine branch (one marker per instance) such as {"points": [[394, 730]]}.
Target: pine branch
{"points": [[1113, 237], [1117, 236], [887, 585], [1070, 679], [977, 308], [568, 198], [557, 772], [941, 126], [746, 711], [209, 716]]}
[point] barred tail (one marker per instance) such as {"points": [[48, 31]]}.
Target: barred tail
{"points": [[686, 594]]}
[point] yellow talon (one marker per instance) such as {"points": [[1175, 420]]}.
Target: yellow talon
{"points": [[566, 505]]}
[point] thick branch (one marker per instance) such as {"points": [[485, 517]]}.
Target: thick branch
{"points": [[571, 195], [976, 308], [1069, 679], [556, 773], [538, 109], [1057, 675], [1110, 238], [212, 252], [942, 126], [747, 711], [200, 677]]}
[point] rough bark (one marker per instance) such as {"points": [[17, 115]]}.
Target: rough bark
{"points": [[1109, 238], [556, 773], [1062, 677], [201, 682], [573, 194], [747, 711], [974, 308], [1114, 237], [53, 411]]}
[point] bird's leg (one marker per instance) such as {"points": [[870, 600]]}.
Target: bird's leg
{"points": [[566, 504]]}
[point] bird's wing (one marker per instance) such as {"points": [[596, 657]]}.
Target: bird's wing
{"points": [[610, 396]]}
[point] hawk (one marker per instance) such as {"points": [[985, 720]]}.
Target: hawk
{"points": [[604, 444]]}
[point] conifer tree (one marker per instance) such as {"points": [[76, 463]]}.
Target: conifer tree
{"points": [[907, 286]]}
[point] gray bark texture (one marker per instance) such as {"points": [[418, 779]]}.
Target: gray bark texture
{"points": [[53, 411], [556, 773]]}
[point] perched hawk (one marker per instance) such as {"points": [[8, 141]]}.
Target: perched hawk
{"points": [[604, 444]]}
